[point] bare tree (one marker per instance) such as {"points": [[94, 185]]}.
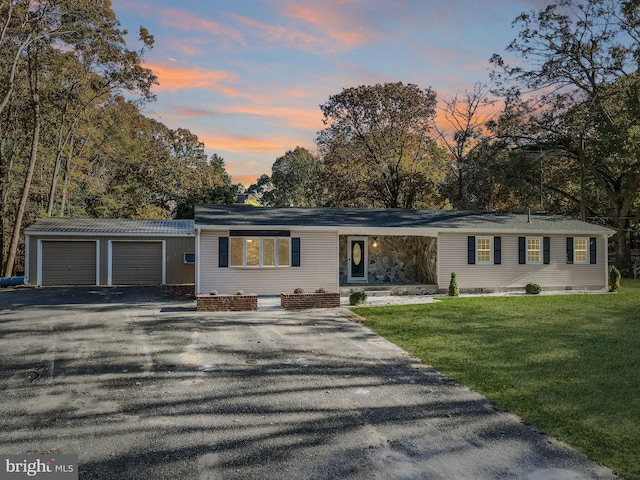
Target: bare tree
{"points": [[465, 117]]}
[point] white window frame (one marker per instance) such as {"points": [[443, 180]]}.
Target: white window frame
{"points": [[277, 240], [540, 250], [478, 261], [586, 250], [184, 258]]}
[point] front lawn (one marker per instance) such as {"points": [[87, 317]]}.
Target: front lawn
{"points": [[567, 364]]}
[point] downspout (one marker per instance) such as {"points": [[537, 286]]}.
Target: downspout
{"points": [[197, 271], [338, 261], [27, 254]]}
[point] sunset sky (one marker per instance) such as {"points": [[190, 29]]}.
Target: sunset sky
{"points": [[248, 76]]}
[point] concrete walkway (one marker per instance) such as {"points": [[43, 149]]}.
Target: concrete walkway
{"points": [[142, 387]]}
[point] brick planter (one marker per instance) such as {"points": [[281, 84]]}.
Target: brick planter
{"points": [[301, 301], [226, 303]]}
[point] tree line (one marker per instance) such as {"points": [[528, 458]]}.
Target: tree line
{"points": [[73, 137], [555, 129]]}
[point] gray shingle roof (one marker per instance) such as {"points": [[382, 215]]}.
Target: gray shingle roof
{"points": [[269, 217], [112, 226]]}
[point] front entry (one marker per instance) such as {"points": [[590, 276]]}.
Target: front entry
{"points": [[357, 259]]}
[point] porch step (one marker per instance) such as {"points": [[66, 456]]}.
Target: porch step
{"points": [[383, 290]]}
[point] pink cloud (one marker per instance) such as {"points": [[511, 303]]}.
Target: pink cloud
{"points": [[172, 78], [246, 145], [188, 47], [246, 180], [341, 26], [186, 112], [310, 119], [188, 22], [283, 34]]}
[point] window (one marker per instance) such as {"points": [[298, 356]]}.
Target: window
{"points": [[252, 258], [269, 252], [582, 250], [237, 252], [484, 250], [189, 258], [260, 252], [580, 254], [534, 250], [283, 253]]}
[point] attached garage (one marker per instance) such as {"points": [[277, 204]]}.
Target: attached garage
{"points": [[69, 262], [95, 251], [137, 263]]}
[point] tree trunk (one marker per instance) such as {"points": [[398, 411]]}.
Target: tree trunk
{"points": [[622, 249], [56, 168], [67, 178], [622, 238], [12, 74], [17, 227]]}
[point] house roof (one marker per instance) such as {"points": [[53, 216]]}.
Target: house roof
{"points": [[108, 226], [371, 220]]}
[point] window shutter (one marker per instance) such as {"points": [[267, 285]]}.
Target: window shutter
{"points": [[546, 250], [569, 249], [497, 250], [295, 252], [471, 250], [592, 250], [522, 250], [223, 252]]}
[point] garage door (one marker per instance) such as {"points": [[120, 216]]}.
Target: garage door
{"points": [[68, 263], [136, 263]]}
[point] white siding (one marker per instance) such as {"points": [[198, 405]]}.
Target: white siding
{"points": [[318, 267], [452, 257]]}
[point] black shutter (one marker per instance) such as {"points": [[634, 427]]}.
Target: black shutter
{"points": [[569, 249], [592, 250], [223, 252], [295, 252], [546, 250], [471, 250], [522, 250], [497, 250]]}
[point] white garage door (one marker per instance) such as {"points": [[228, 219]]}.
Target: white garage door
{"points": [[68, 263], [136, 263]]}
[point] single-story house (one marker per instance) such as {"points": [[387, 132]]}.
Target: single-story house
{"points": [[92, 251], [272, 250]]}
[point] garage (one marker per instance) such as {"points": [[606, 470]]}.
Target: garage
{"points": [[69, 262], [137, 263], [107, 251]]}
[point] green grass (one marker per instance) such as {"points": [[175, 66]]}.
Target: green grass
{"points": [[567, 364]]}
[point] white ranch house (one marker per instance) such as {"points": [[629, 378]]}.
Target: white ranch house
{"points": [[272, 250]]}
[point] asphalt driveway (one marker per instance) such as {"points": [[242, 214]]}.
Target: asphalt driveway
{"points": [[140, 386]]}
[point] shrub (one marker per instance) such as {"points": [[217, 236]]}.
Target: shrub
{"points": [[299, 290], [356, 298], [454, 286], [240, 292], [614, 279], [533, 288], [213, 292], [320, 290]]}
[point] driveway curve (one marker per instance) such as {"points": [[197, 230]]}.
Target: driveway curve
{"points": [[140, 386]]}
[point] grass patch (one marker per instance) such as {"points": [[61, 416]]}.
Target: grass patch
{"points": [[568, 364]]}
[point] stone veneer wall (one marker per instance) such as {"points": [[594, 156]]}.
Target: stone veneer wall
{"points": [[226, 303], [396, 260]]}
